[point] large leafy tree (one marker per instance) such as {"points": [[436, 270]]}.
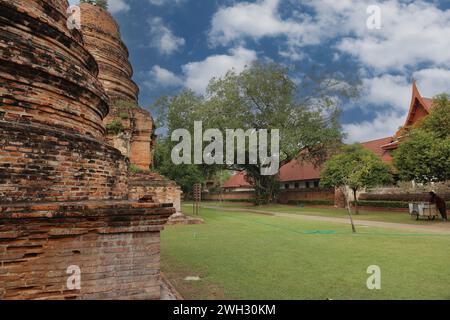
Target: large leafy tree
{"points": [[424, 155], [264, 96], [356, 168]]}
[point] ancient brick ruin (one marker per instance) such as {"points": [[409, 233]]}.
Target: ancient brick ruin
{"points": [[134, 134], [64, 190]]}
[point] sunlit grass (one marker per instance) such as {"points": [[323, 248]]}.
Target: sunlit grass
{"points": [[251, 256]]}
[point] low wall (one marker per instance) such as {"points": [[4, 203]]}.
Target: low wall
{"points": [[308, 194], [243, 195]]}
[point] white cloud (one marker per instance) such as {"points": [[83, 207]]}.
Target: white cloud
{"points": [[165, 2], [384, 125], [115, 6], [199, 73], [246, 19], [162, 77], [163, 38], [412, 32], [196, 75], [387, 90], [433, 81]]}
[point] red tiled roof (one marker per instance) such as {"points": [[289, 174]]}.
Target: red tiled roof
{"points": [[296, 170], [428, 103], [237, 181], [376, 147]]}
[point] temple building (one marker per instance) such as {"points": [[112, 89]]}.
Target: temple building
{"points": [[419, 108]]}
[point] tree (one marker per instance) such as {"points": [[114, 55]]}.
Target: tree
{"points": [[424, 155], [184, 175], [356, 168], [263, 96]]}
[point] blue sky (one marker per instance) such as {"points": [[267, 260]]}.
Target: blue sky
{"points": [[183, 43]]}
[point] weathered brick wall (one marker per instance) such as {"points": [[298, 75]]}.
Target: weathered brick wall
{"points": [[141, 143], [52, 150], [102, 38], [39, 164], [47, 75], [161, 189], [239, 195], [115, 245], [308, 194]]}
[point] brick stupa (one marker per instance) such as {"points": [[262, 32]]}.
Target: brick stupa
{"points": [[135, 136], [64, 191]]}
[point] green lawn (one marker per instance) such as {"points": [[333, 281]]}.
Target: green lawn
{"points": [[251, 256], [383, 216]]}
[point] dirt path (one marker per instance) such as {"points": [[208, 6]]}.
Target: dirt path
{"points": [[437, 227]]}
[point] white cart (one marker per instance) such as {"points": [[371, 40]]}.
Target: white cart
{"points": [[423, 210]]}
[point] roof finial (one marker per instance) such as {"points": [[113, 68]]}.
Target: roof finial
{"points": [[414, 87]]}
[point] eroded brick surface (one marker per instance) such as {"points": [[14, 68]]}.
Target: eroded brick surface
{"points": [[161, 189], [115, 246], [102, 39], [63, 190]]}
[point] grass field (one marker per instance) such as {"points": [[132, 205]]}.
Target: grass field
{"points": [[383, 216], [251, 256]]}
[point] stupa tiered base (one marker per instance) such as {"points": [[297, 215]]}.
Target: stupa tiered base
{"points": [[115, 245]]}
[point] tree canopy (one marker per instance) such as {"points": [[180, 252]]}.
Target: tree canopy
{"points": [[424, 155], [355, 167], [263, 96]]}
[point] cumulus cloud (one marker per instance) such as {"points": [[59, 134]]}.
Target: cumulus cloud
{"points": [[160, 77], [115, 6], [196, 75], [199, 73], [387, 89], [412, 32], [163, 38], [384, 124], [246, 19], [433, 81]]}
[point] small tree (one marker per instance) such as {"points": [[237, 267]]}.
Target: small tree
{"points": [[424, 156], [355, 168]]}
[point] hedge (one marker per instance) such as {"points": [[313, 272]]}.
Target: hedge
{"points": [[386, 204], [402, 197]]}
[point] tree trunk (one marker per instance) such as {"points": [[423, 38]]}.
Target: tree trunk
{"points": [[349, 208], [356, 201]]}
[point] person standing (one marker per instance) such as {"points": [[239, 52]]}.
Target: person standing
{"points": [[440, 204]]}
